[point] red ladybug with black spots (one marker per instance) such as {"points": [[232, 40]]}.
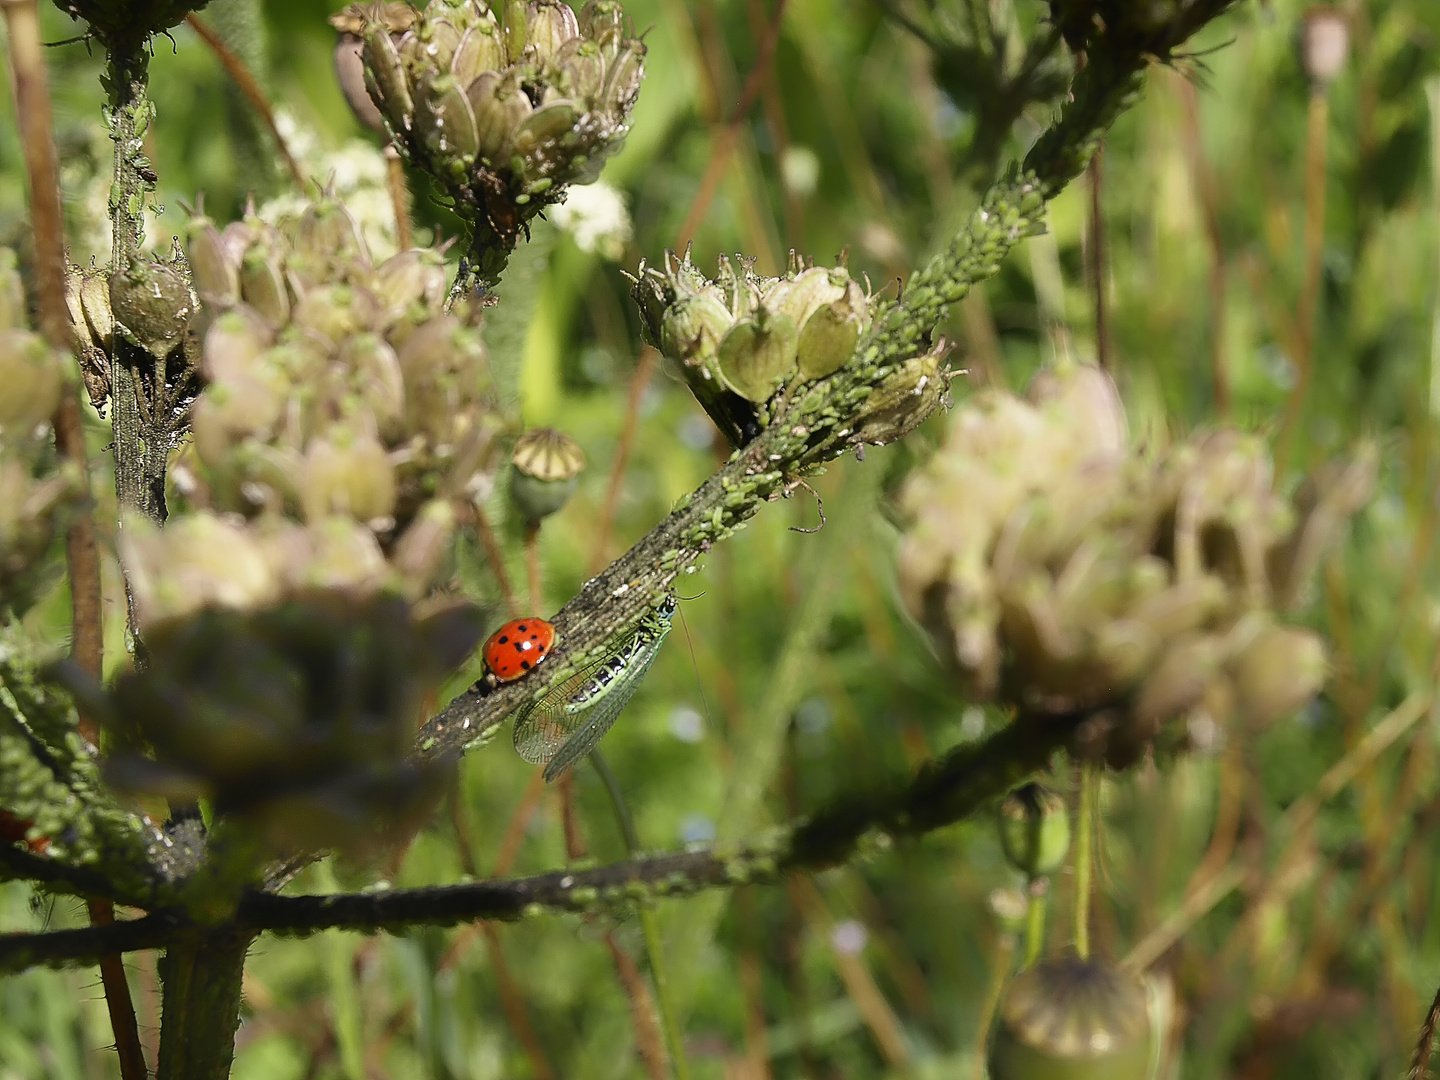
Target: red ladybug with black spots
{"points": [[514, 650]]}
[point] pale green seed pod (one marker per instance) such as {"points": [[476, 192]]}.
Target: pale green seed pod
{"points": [[199, 560], [33, 377], [757, 355], [13, 315], [546, 467], [1034, 830], [425, 545], [1178, 680], [1278, 672], [829, 336], [347, 472], [1071, 1019], [904, 399], [408, 278], [692, 329], [549, 24], [95, 304]]}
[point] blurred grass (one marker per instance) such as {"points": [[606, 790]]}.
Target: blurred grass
{"points": [[1330, 982]]}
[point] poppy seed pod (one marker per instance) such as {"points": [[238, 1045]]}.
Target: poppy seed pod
{"points": [[1034, 830], [546, 468], [1072, 1019]]}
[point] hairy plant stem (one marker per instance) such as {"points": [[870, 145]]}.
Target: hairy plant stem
{"points": [[201, 976], [140, 450], [32, 102], [947, 790]]}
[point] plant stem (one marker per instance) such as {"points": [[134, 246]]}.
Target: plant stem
{"points": [[653, 945], [201, 975], [140, 451], [1084, 855], [32, 103], [245, 80], [1036, 891]]}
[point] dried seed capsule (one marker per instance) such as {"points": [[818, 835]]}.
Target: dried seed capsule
{"points": [[1034, 830], [151, 305], [1071, 1019], [547, 466]]}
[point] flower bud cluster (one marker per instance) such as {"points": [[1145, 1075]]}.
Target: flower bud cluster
{"points": [[504, 107], [34, 496], [295, 720], [746, 343], [1066, 572], [344, 427]]}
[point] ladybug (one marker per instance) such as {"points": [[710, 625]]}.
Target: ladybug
{"points": [[517, 647]]}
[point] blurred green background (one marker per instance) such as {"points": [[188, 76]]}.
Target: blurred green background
{"points": [[864, 138]]}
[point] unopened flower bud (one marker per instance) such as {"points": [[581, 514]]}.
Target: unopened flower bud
{"points": [[547, 466], [1034, 830], [1324, 44], [1072, 1019]]}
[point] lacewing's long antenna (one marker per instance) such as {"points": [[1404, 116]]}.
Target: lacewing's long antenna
{"points": [[695, 666]]}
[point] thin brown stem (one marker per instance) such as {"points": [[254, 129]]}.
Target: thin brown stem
{"points": [[639, 380], [399, 198], [1208, 191], [725, 141], [1097, 262], [514, 1006], [245, 80], [1315, 138], [648, 1040], [532, 566], [510, 998], [32, 105], [497, 560]]}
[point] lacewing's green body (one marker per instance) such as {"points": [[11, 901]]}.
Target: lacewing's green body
{"points": [[567, 721]]}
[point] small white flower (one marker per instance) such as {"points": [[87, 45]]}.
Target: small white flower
{"points": [[597, 219]]}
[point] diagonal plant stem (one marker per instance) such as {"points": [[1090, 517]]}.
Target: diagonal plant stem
{"points": [[245, 80]]}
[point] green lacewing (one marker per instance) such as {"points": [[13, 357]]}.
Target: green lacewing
{"points": [[566, 722]]}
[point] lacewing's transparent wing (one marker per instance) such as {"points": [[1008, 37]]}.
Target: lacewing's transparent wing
{"points": [[568, 720]]}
